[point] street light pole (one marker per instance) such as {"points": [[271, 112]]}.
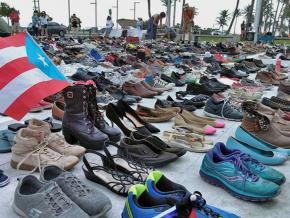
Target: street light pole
{"points": [[117, 13], [96, 12], [257, 18], [68, 5], [135, 9]]}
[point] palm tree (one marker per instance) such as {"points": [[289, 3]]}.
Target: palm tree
{"points": [[250, 15], [5, 10], [281, 13], [165, 2], [234, 16], [149, 8], [268, 15], [275, 17], [222, 19], [239, 14]]}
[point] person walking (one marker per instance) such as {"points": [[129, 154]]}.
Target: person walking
{"points": [[188, 23], [109, 26], [139, 28], [35, 23], [14, 17], [75, 24], [153, 24], [43, 22], [243, 30]]}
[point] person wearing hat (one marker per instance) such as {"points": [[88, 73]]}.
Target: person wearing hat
{"points": [[153, 24], [188, 23]]}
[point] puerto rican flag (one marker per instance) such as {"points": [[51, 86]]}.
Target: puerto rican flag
{"points": [[27, 75]]}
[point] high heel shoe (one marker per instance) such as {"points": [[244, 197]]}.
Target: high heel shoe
{"points": [[137, 121], [117, 116]]}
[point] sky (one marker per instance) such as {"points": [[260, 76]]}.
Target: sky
{"points": [[58, 10]]}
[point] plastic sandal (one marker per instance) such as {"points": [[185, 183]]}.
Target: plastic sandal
{"points": [[112, 179]]}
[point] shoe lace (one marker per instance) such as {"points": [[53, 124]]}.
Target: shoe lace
{"points": [[89, 123], [58, 202], [246, 157], [184, 207], [77, 185], [240, 166], [40, 149], [228, 104]]}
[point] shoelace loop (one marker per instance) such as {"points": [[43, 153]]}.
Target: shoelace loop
{"points": [[77, 185], [184, 207], [57, 201]]}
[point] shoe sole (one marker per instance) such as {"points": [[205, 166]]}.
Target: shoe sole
{"points": [[220, 184], [4, 183], [105, 210], [217, 116], [27, 167], [18, 211]]}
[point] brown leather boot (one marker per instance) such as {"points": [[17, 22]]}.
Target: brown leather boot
{"points": [[77, 124], [138, 89], [98, 119], [265, 128]]}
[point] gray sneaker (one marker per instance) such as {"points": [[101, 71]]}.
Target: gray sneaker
{"points": [[93, 202], [34, 199]]}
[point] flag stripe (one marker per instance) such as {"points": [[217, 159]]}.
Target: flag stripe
{"points": [[11, 53], [14, 68], [19, 85], [16, 41], [36, 93]]}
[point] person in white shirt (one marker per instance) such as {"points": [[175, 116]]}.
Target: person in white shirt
{"points": [[43, 23], [109, 26]]}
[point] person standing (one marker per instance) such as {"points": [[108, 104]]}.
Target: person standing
{"points": [[109, 26], [75, 23], [188, 23], [153, 24], [14, 17], [43, 22], [243, 30], [35, 23], [139, 28]]}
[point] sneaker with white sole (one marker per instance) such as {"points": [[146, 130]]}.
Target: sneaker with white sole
{"points": [[35, 199], [92, 201]]}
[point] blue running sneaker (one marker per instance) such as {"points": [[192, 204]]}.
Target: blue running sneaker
{"points": [[254, 165], [267, 157], [142, 204], [4, 180], [160, 187], [235, 177]]}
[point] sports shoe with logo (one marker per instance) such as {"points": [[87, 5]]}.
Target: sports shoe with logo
{"points": [[4, 180], [160, 187], [255, 166], [35, 199], [55, 141], [141, 203], [234, 176], [92, 201]]}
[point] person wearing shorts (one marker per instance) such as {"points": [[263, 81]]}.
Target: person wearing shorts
{"points": [[188, 23], [43, 23], [109, 26], [14, 17]]}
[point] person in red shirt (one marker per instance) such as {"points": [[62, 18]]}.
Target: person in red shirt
{"points": [[14, 17]]}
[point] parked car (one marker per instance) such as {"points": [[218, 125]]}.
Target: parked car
{"points": [[217, 33], [53, 28]]}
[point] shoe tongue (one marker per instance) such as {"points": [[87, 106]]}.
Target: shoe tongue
{"points": [[47, 188]]}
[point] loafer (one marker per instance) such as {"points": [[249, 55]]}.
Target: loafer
{"points": [[263, 156]]}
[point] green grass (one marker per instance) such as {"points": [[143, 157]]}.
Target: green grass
{"points": [[222, 39]]}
